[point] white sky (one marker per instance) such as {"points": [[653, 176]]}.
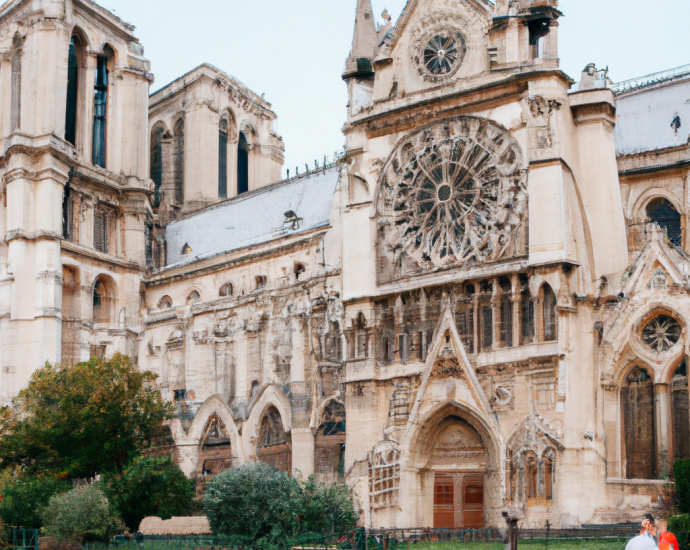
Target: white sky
{"points": [[294, 50]]}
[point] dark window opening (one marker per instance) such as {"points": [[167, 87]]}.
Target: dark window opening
{"points": [[68, 214], [16, 99], [538, 30], [186, 249], [165, 302], [242, 165], [100, 108], [156, 169], [549, 313], [486, 324], [527, 318], [226, 290], [506, 322], [661, 211], [179, 161], [223, 159], [260, 281], [72, 93]]}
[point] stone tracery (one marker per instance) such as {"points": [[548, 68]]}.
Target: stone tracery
{"points": [[453, 194]]}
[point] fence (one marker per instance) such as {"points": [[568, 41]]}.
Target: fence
{"points": [[25, 539]]}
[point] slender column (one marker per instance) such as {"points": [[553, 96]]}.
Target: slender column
{"points": [[661, 429]]}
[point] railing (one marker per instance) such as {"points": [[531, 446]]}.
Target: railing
{"points": [[650, 80], [25, 539]]}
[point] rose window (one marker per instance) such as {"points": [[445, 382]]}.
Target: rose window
{"points": [[439, 53], [451, 194], [661, 333]]}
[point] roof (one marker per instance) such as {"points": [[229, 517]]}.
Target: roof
{"points": [[254, 218], [650, 80], [193, 525]]}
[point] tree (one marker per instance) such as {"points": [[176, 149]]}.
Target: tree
{"points": [[263, 505], [79, 421], [82, 513], [149, 487], [24, 496]]}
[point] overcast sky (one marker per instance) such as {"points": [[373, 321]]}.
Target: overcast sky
{"points": [[294, 50]]}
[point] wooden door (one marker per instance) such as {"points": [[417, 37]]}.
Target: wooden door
{"points": [[444, 501], [473, 502]]}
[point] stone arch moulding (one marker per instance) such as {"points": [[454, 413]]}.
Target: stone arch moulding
{"points": [[214, 405], [638, 210], [451, 194], [317, 412], [233, 129], [270, 396]]}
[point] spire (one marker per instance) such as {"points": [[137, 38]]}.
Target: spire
{"points": [[364, 42]]}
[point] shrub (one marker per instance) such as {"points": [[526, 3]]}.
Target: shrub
{"points": [[681, 472], [24, 497], [267, 509], [149, 487], [680, 527], [84, 512]]}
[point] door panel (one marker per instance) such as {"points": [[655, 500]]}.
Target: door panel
{"points": [[473, 502], [444, 501]]}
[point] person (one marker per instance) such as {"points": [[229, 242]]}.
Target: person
{"points": [[645, 540], [667, 540]]}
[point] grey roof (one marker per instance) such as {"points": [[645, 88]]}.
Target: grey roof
{"points": [[254, 218]]}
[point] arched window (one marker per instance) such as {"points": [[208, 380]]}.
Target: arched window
{"points": [[74, 60], [223, 158], [637, 413], [549, 461], [679, 407], [665, 214], [531, 475], [16, 99], [165, 302], [156, 164], [506, 314], [527, 317], [194, 297], [178, 160], [330, 440], [226, 290], [100, 106], [242, 165], [103, 301], [549, 300], [486, 317], [273, 445]]}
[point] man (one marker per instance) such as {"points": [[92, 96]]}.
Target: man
{"points": [[645, 540], [667, 540]]}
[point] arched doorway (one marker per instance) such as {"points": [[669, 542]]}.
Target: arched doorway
{"points": [[457, 468], [637, 412], [215, 452], [273, 447]]}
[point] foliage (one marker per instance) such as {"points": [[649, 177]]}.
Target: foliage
{"points": [[680, 527], [681, 473], [84, 512], [23, 497], [264, 508], [83, 420], [149, 487]]}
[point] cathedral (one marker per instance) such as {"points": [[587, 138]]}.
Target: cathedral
{"points": [[481, 306]]}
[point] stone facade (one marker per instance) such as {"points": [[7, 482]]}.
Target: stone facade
{"points": [[482, 305]]}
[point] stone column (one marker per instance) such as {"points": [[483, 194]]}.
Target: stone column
{"points": [[661, 429]]}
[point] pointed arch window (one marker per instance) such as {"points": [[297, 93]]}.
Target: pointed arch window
{"points": [[72, 107], [178, 159], [661, 211], [637, 413], [16, 90], [550, 326], [100, 106], [223, 158], [242, 165], [156, 162], [527, 318]]}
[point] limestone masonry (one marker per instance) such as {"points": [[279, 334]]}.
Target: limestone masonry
{"points": [[483, 305]]}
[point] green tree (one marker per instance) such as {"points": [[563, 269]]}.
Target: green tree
{"points": [[267, 508], [23, 497], [149, 487], [681, 473], [82, 513], [79, 421]]}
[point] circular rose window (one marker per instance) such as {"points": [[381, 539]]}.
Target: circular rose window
{"points": [[439, 54], [661, 333]]}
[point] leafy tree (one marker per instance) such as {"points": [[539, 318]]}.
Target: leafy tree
{"points": [[268, 509], [150, 487], [681, 473], [82, 513], [83, 420], [23, 497]]}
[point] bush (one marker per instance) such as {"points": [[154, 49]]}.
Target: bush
{"points": [[266, 508], [84, 512], [680, 527], [23, 498], [681, 472], [149, 487]]}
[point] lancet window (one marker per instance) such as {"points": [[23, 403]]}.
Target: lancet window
{"points": [[156, 161], [16, 89], [242, 165], [223, 158], [178, 161], [100, 107]]}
